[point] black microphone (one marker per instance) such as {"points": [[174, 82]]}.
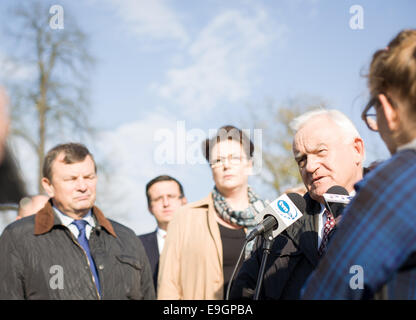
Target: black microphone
{"points": [[336, 199], [278, 215]]}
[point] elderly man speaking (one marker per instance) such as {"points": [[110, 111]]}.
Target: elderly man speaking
{"points": [[329, 152]]}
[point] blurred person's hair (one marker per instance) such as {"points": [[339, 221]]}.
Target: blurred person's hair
{"points": [[228, 132], [393, 69], [160, 179], [74, 153], [12, 187]]}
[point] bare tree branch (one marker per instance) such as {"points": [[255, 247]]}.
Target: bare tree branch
{"points": [[54, 102], [279, 170]]}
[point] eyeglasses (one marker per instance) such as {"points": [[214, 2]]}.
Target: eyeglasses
{"points": [[369, 114], [170, 197], [233, 160]]}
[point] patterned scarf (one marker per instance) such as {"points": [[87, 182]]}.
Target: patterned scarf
{"points": [[243, 218]]}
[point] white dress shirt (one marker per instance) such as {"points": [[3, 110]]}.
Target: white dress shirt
{"points": [[160, 234], [321, 224], [67, 222]]}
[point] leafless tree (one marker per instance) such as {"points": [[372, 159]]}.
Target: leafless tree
{"points": [[279, 169], [51, 102]]}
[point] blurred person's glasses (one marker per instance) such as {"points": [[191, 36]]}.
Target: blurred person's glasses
{"points": [[232, 159], [369, 114], [170, 197]]}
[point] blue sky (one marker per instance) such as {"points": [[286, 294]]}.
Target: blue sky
{"points": [[200, 63]]}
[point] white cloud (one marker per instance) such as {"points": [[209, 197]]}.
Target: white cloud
{"points": [[222, 58], [151, 19], [16, 71], [130, 155]]}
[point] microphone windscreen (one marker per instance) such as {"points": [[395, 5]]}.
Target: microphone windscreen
{"points": [[337, 208], [298, 201], [338, 190]]}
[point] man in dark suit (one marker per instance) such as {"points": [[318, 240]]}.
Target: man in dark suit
{"points": [[328, 151], [164, 195]]}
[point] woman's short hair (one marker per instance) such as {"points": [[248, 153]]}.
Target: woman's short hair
{"points": [[228, 132]]}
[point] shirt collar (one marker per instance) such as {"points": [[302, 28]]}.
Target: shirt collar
{"points": [[66, 220], [161, 233]]}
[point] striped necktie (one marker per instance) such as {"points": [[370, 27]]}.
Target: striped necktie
{"points": [[329, 225]]}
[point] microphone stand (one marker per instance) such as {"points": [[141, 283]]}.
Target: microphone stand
{"points": [[267, 245]]}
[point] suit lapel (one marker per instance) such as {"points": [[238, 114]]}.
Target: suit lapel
{"points": [[155, 247]]}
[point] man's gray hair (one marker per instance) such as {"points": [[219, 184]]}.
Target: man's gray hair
{"points": [[337, 116]]}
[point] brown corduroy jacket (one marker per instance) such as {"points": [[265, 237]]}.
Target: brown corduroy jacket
{"points": [[41, 259]]}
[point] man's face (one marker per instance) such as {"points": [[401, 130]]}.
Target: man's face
{"points": [[325, 158], [73, 186], [165, 199]]}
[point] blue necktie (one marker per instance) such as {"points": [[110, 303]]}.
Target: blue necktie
{"points": [[83, 241]]}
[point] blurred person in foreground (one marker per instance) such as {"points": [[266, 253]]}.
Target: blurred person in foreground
{"points": [[329, 151], [69, 249], [31, 205], [12, 187], [164, 196], [205, 237], [372, 255], [4, 121]]}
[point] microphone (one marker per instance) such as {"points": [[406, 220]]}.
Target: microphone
{"points": [[336, 199], [278, 215]]}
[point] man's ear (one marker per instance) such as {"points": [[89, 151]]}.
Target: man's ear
{"points": [[48, 187], [390, 113], [359, 149], [184, 201]]}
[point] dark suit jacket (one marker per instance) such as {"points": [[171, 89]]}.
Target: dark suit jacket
{"points": [[149, 241], [294, 255]]}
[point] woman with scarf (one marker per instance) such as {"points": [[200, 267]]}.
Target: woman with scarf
{"points": [[205, 237]]}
